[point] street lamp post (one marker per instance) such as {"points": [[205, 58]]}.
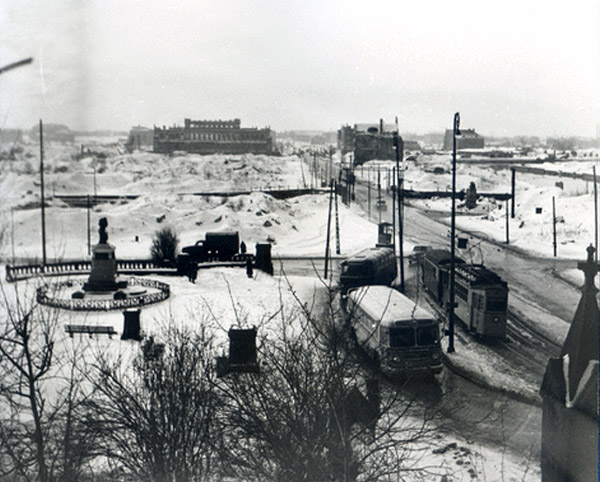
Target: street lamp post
{"points": [[455, 133]]}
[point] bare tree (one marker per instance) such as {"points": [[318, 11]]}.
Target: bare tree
{"points": [[306, 416], [41, 437], [154, 415], [163, 414]]}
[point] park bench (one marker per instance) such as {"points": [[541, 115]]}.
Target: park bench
{"points": [[91, 330]]}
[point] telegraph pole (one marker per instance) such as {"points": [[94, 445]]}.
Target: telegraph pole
{"points": [[455, 132], [328, 230], [507, 236], [379, 193], [369, 193], [43, 208], [513, 186], [89, 243], [595, 216], [394, 212], [399, 154], [554, 225]]}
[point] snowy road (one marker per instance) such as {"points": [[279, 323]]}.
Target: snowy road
{"points": [[531, 278]]}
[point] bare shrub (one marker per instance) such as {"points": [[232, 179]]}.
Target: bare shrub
{"points": [[164, 246]]}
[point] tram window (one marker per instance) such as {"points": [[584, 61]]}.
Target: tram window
{"points": [[495, 304], [402, 337], [427, 335]]}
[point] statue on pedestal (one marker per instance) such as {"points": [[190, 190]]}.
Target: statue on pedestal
{"points": [[103, 223], [104, 264]]}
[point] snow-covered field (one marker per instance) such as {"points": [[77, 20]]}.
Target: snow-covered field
{"points": [[296, 226]]}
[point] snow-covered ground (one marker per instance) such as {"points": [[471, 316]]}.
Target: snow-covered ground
{"points": [[529, 230], [295, 226]]}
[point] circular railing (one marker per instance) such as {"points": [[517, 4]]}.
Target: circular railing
{"points": [[162, 292]]}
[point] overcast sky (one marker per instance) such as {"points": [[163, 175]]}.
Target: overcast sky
{"points": [[510, 67]]}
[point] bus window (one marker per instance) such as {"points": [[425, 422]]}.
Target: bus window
{"points": [[356, 270], [400, 337], [427, 335]]}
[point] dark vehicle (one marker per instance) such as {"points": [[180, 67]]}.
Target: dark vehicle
{"points": [[216, 246], [223, 246], [403, 337], [481, 296], [371, 266]]}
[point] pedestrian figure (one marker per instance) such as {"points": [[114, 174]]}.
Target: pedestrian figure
{"points": [[249, 268], [192, 272], [243, 247]]}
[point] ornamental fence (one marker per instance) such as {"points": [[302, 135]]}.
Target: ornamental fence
{"points": [[124, 266], [79, 267], [163, 291]]}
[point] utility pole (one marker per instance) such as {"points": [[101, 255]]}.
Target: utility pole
{"points": [[513, 189], [455, 132], [89, 243], [394, 212], [507, 236], [369, 192], [328, 230], [595, 216], [554, 225], [43, 202], [95, 188], [338, 248], [399, 143], [379, 193]]}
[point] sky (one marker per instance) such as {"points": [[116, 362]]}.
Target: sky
{"points": [[528, 67]]}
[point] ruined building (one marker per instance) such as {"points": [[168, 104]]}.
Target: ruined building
{"points": [[211, 137], [371, 141], [570, 394], [140, 138], [468, 139]]}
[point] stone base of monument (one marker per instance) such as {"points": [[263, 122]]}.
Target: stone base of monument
{"points": [[104, 286], [103, 277]]}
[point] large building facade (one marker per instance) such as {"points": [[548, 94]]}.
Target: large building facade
{"points": [[468, 139], [211, 137]]}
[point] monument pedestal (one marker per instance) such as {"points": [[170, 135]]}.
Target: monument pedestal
{"points": [[104, 270]]}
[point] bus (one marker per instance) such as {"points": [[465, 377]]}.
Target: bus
{"points": [[371, 266], [401, 336]]}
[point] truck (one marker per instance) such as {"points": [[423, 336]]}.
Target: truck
{"points": [[216, 246]]}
